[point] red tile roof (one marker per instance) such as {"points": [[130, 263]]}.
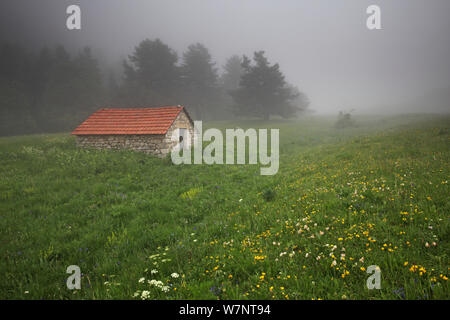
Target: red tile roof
{"points": [[129, 121]]}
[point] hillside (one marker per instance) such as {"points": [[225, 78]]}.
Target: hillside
{"points": [[342, 200]]}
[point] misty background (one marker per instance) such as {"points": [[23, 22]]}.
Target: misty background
{"points": [[326, 55]]}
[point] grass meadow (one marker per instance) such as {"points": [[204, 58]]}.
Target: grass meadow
{"points": [[140, 227]]}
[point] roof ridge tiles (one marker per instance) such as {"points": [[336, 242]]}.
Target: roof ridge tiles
{"points": [[142, 120]]}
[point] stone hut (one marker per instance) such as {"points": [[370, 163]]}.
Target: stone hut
{"points": [[142, 129]]}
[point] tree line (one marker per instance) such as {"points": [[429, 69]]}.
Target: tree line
{"points": [[53, 91], [48, 91]]}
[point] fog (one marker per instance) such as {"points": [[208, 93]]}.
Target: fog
{"points": [[323, 47]]}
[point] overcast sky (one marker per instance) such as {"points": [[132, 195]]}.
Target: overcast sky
{"points": [[323, 47]]}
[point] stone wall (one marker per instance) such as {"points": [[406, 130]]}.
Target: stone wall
{"points": [[159, 145], [182, 121], [149, 143]]}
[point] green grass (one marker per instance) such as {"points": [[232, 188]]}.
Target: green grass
{"points": [[377, 193]]}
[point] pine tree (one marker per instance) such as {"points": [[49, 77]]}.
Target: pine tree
{"points": [[262, 90], [200, 80], [232, 73], [151, 74]]}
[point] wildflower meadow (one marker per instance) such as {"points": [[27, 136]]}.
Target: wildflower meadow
{"points": [[140, 227]]}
